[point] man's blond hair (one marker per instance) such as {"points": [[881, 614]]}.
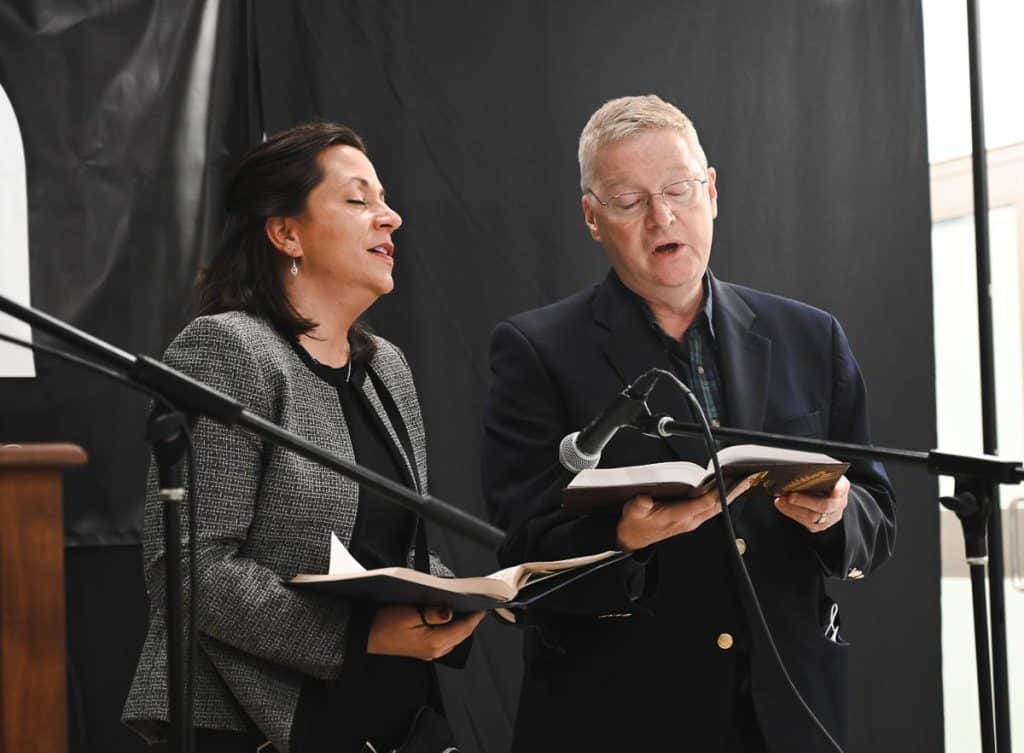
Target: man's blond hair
{"points": [[618, 119]]}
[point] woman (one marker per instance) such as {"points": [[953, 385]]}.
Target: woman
{"points": [[306, 249]]}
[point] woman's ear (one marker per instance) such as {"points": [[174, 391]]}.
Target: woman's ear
{"points": [[281, 234]]}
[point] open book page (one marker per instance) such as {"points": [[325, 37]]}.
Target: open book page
{"points": [[342, 560], [610, 487], [753, 454], [483, 586], [528, 573], [400, 585], [677, 471]]}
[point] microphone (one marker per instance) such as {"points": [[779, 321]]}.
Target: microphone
{"points": [[582, 449]]}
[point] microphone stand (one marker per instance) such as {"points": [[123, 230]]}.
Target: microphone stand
{"points": [[986, 354], [195, 398], [976, 484]]}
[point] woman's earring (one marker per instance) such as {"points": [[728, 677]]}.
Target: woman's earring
{"points": [[295, 268]]}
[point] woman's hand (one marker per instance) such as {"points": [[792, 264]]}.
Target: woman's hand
{"points": [[426, 633]]}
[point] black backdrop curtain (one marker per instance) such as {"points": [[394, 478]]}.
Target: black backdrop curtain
{"points": [[130, 112], [812, 112]]}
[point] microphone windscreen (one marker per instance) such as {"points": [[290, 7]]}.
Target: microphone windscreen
{"points": [[573, 458]]}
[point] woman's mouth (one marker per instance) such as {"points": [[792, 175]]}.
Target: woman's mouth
{"points": [[384, 250]]}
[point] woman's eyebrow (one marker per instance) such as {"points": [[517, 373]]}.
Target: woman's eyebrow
{"points": [[363, 182]]}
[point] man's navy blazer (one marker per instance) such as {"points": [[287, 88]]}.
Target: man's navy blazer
{"points": [[644, 656]]}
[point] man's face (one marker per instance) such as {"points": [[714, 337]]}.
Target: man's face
{"points": [[661, 252]]}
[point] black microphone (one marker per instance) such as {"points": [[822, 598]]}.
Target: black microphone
{"points": [[582, 449]]}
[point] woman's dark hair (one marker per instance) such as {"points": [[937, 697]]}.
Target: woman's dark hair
{"points": [[274, 179]]}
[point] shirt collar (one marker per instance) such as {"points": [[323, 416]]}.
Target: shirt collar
{"points": [[705, 315]]}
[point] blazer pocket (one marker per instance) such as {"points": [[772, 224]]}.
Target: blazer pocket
{"points": [[806, 425]]}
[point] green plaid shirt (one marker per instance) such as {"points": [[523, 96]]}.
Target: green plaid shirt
{"points": [[695, 358]]}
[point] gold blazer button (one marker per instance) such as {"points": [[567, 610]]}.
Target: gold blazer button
{"points": [[724, 641]]}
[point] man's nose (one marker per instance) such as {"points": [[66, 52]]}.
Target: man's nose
{"points": [[659, 213]]}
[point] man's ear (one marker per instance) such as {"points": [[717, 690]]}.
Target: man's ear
{"points": [[713, 191], [282, 236], [590, 219]]}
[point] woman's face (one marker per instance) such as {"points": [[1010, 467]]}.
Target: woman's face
{"points": [[344, 232]]}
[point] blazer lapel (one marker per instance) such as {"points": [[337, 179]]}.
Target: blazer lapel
{"points": [[744, 358], [632, 347]]}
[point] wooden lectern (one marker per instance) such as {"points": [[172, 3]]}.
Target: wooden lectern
{"points": [[33, 670]]}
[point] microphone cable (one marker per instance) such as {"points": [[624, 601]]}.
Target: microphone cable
{"points": [[190, 637], [737, 559]]}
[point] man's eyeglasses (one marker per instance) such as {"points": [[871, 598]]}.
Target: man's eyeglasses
{"points": [[682, 194]]}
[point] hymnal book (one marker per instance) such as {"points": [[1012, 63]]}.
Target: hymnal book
{"points": [[777, 470], [514, 587]]}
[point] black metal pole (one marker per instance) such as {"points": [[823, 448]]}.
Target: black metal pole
{"points": [[972, 503], [178, 731], [166, 434], [997, 599], [936, 462], [981, 654], [194, 397], [431, 508]]}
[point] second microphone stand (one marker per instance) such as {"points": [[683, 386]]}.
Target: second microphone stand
{"points": [[977, 478]]}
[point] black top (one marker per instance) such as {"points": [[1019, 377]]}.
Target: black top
{"points": [[375, 697]]}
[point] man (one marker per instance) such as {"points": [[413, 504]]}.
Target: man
{"points": [[664, 652]]}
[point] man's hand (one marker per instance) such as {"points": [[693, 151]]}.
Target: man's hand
{"points": [[428, 633], [644, 522], [816, 514]]}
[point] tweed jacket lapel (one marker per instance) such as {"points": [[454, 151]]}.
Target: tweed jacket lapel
{"points": [[371, 394], [393, 372]]}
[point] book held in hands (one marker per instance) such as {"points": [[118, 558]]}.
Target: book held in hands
{"points": [[778, 470], [510, 588]]}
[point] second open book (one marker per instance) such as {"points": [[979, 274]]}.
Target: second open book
{"points": [[513, 587], [777, 470]]}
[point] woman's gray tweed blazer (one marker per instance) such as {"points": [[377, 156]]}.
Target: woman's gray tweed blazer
{"points": [[264, 515]]}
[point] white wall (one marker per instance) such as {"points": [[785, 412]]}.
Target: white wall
{"points": [[958, 394], [946, 75], [14, 361]]}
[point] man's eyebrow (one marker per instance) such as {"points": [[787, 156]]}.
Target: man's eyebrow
{"points": [[616, 182]]}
